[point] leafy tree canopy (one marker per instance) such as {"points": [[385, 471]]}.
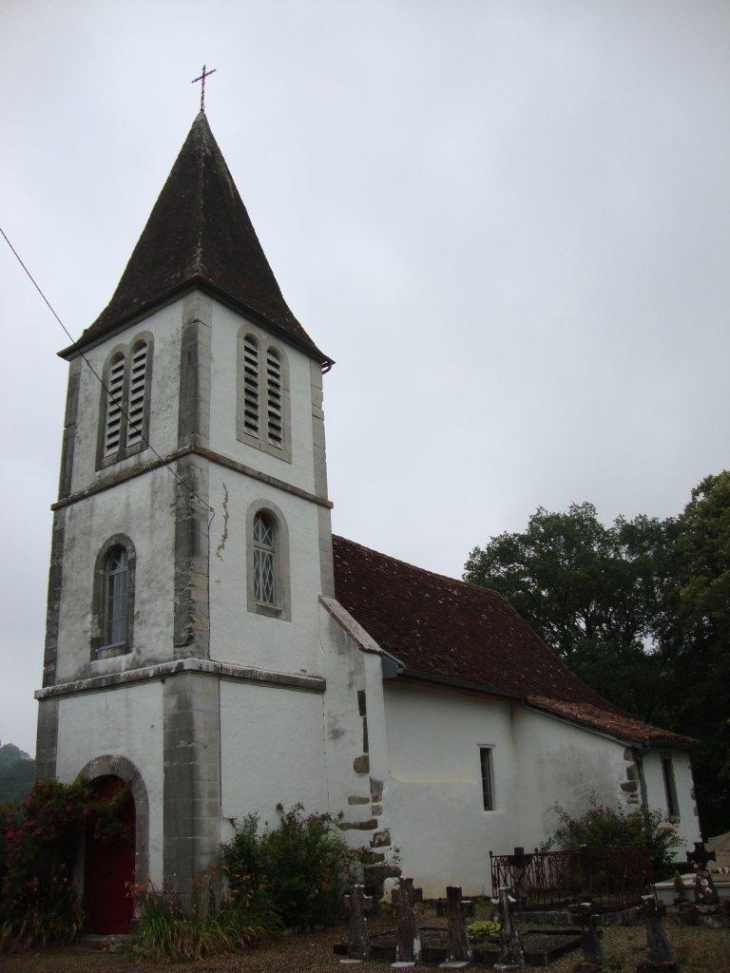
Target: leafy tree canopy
{"points": [[17, 773], [640, 610]]}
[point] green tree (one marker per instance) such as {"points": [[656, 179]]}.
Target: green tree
{"points": [[698, 644], [594, 594], [17, 773], [640, 610]]}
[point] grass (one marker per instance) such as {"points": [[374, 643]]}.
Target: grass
{"points": [[698, 950]]}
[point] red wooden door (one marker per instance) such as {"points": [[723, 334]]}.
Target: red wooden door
{"points": [[109, 870]]}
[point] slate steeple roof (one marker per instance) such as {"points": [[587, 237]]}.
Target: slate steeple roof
{"points": [[199, 235]]}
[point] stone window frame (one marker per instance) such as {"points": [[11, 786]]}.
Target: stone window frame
{"points": [[486, 776], [127, 352], [670, 787], [99, 648], [262, 441], [282, 578]]}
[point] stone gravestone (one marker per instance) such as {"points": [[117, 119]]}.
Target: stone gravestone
{"points": [[590, 938], [456, 912], [705, 891], [358, 904], [408, 939], [511, 954], [659, 952], [519, 862]]}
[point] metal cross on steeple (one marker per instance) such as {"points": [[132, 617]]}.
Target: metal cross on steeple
{"points": [[203, 76]]}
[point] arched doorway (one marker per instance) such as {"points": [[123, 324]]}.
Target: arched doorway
{"points": [[109, 867]]}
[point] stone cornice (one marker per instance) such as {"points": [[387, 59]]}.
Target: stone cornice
{"points": [[165, 670], [192, 449]]}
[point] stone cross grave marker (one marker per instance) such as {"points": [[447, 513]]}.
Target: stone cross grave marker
{"points": [[659, 952], [705, 890], [358, 904], [408, 939], [511, 954], [590, 938], [457, 910]]}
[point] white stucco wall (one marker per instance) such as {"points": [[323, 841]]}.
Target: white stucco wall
{"points": [[272, 751], [242, 637], [125, 722], [143, 510], [434, 793], [300, 472], [165, 327], [561, 764], [688, 824]]}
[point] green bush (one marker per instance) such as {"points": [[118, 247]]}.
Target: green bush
{"points": [[484, 929], [302, 869], [612, 828]]}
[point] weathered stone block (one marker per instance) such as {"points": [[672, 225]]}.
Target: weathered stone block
{"points": [[361, 765]]}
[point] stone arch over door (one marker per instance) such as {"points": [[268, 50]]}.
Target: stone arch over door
{"points": [[106, 770]]}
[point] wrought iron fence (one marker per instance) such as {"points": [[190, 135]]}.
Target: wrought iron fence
{"points": [[613, 880]]}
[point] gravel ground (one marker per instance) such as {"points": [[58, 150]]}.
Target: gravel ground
{"points": [[698, 950]]}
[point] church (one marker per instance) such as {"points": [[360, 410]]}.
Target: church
{"points": [[212, 645]]}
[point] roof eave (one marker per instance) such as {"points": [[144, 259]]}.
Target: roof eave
{"points": [[418, 676], [673, 741], [167, 297]]}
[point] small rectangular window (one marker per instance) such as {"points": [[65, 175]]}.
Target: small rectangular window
{"points": [[485, 758], [670, 788]]}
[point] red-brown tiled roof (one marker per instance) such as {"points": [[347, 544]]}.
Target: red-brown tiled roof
{"points": [[200, 235], [450, 631]]}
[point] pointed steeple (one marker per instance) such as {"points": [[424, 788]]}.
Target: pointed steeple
{"points": [[200, 235]]}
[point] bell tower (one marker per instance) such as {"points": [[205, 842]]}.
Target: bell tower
{"points": [[191, 539]]}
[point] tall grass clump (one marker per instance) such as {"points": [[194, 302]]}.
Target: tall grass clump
{"points": [[165, 931]]}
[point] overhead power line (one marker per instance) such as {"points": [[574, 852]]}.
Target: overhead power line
{"points": [[100, 380]]}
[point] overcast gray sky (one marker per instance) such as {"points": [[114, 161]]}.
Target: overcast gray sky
{"points": [[508, 223]]}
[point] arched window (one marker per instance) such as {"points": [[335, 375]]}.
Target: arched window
{"points": [[116, 596], [263, 415], [113, 603], [267, 559], [263, 560], [126, 402]]}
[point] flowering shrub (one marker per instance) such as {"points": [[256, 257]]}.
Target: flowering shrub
{"points": [[39, 841], [604, 827], [302, 869]]}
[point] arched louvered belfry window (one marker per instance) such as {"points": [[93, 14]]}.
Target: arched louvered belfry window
{"points": [[113, 601], [251, 385], [264, 581], [137, 411], [274, 419], [114, 405], [263, 414], [126, 403]]}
